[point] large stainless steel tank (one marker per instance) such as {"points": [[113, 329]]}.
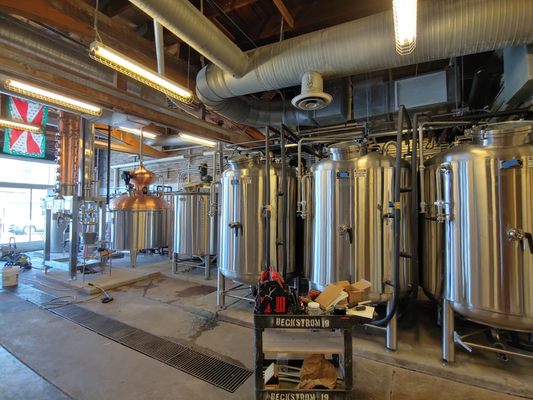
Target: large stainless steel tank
{"points": [[352, 232], [139, 220], [330, 213], [481, 209], [192, 223], [242, 234]]}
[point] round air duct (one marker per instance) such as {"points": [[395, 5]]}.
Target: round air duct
{"points": [[313, 96]]}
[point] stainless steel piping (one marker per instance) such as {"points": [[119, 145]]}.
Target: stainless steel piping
{"points": [[393, 303], [159, 47], [421, 167]]}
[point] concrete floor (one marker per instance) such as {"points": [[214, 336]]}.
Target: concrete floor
{"points": [[62, 360]]}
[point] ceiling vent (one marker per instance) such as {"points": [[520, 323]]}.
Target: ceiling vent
{"points": [[313, 96]]}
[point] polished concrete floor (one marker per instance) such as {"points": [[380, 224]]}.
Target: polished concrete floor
{"points": [[44, 356]]}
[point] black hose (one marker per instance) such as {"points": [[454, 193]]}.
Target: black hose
{"points": [[266, 204], [283, 197], [403, 116], [415, 268]]}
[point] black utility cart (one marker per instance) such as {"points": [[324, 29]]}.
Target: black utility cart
{"points": [[325, 322]]}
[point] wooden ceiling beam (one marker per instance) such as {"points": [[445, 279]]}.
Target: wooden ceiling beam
{"points": [[319, 14], [285, 13], [119, 147], [77, 17], [132, 141], [228, 6], [116, 7]]}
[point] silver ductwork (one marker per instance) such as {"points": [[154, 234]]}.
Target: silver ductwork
{"points": [[446, 28], [21, 36], [65, 55]]}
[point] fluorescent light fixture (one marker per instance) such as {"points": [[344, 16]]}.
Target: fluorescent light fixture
{"points": [[146, 134], [198, 140], [404, 12], [52, 97], [7, 123], [133, 69]]}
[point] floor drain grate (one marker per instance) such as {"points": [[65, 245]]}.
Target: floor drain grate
{"points": [[211, 369], [204, 366]]}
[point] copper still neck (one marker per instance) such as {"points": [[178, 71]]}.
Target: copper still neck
{"points": [[67, 153]]}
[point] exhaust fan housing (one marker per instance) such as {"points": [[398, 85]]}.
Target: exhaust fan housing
{"points": [[312, 96]]}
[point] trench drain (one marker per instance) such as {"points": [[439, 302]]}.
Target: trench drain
{"points": [[207, 367]]}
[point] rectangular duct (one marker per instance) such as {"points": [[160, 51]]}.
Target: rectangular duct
{"points": [[338, 112], [374, 98], [370, 99], [517, 78], [421, 91]]}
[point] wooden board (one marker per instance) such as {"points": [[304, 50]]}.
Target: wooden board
{"points": [[299, 343]]}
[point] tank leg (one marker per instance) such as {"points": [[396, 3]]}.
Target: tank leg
{"points": [[221, 287], [207, 265], [448, 328], [392, 330], [175, 264], [133, 257]]}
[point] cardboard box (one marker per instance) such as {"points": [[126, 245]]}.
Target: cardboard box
{"points": [[357, 296], [361, 285], [359, 291], [343, 284], [331, 295]]}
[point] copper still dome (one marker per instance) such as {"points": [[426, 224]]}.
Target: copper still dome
{"points": [[139, 199]]}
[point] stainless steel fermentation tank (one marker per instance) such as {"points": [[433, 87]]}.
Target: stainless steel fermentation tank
{"points": [[140, 220], [351, 219], [192, 223], [476, 253], [242, 232]]}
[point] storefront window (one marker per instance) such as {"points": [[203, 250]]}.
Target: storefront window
{"points": [[22, 199]]}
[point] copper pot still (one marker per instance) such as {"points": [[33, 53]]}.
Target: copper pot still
{"points": [[140, 220]]}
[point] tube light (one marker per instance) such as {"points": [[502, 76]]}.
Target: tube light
{"points": [[131, 68], [52, 97], [404, 12], [148, 135], [7, 123], [198, 140]]}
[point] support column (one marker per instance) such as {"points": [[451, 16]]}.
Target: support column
{"points": [[47, 235], [74, 238]]}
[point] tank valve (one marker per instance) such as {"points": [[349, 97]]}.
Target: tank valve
{"points": [[235, 226], [518, 235], [515, 234], [345, 229]]}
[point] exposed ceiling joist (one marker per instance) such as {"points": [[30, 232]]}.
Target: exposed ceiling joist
{"points": [[312, 16], [229, 6], [285, 13], [116, 7]]}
